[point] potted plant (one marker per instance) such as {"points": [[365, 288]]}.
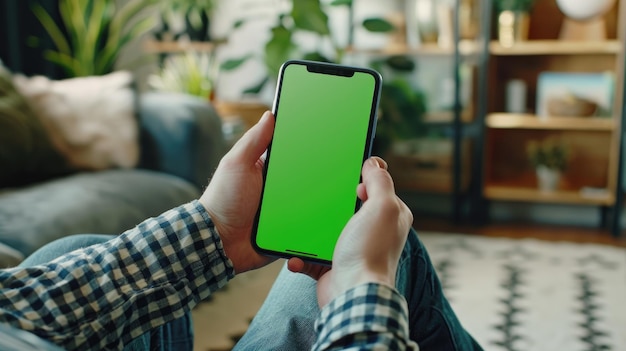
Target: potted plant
{"points": [[190, 73], [549, 157], [93, 33], [513, 20]]}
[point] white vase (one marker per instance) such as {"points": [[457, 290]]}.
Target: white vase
{"points": [[584, 19], [583, 10], [547, 178]]}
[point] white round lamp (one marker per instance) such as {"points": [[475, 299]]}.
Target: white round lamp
{"points": [[584, 19]]}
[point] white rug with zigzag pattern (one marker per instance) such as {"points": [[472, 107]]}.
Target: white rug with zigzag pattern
{"points": [[532, 295]]}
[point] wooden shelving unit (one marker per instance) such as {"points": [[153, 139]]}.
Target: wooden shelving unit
{"points": [[591, 177], [445, 173]]}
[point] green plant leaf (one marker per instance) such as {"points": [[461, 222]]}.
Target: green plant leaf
{"points": [[239, 23], [105, 61], [85, 24], [316, 56], [55, 33], [233, 64], [378, 25], [67, 62], [341, 2], [278, 49], [308, 15], [256, 89], [400, 63]]}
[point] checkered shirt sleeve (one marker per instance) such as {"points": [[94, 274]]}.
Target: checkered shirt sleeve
{"points": [[103, 296], [367, 317]]}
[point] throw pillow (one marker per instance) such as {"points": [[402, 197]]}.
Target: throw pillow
{"points": [[90, 120], [26, 152]]}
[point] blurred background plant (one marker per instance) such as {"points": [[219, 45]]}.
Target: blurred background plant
{"points": [[401, 105], [190, 73], [92, 33], [551, 153], [304, 16], [196, 15]]}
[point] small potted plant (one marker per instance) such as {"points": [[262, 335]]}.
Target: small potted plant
{"points": [[549, 157], [513, 20], [191, 73]]}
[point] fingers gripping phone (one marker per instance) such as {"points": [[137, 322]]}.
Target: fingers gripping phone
{"points": [[325, 123]]}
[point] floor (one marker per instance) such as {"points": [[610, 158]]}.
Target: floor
{"points": [[219, 322]]}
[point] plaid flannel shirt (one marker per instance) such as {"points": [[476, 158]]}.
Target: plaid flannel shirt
{"points": [[103, 296], [367, 317]]}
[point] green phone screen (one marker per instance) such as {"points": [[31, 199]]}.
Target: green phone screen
{"points": [[323, 125]]}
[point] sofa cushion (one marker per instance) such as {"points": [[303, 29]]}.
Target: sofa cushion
{"points": [[106, 202], [27, 154], [91, 120]]}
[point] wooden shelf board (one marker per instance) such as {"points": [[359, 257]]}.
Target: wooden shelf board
{"points": [[528, 121], [466, 47], [446, 117], [167, 47], [556, 47], [511, 193]]}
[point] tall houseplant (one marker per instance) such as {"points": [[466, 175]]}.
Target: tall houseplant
{"points": [[92, 33]]}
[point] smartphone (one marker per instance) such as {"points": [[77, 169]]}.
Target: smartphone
{"points": [[325, 125]]}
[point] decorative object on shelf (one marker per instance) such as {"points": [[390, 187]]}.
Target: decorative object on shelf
{"points": [[575, 94], [513, 20], [190, 73], [434, 20], [93, 33], [584, 19], [549, 157], [445, 23], [570, 105], [468, 19], [516, 96]]}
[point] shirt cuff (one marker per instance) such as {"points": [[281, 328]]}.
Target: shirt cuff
{"points": [[196, 207], [367, 315]]}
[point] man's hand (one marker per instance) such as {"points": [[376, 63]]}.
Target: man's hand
{"points": [[233, 195], [370, 245]]}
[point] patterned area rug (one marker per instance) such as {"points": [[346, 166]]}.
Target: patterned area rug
{"points": [[531, 295]]}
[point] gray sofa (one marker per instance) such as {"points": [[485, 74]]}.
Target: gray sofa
{"points": [[181, 144]]}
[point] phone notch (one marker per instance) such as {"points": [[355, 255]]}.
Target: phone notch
{"points": [[332, 70]]}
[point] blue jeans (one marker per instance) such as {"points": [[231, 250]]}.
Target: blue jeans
{"points": [[175, 335], [285, 321]]}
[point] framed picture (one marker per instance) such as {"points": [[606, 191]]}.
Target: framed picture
{"points": [[575, 94]]}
